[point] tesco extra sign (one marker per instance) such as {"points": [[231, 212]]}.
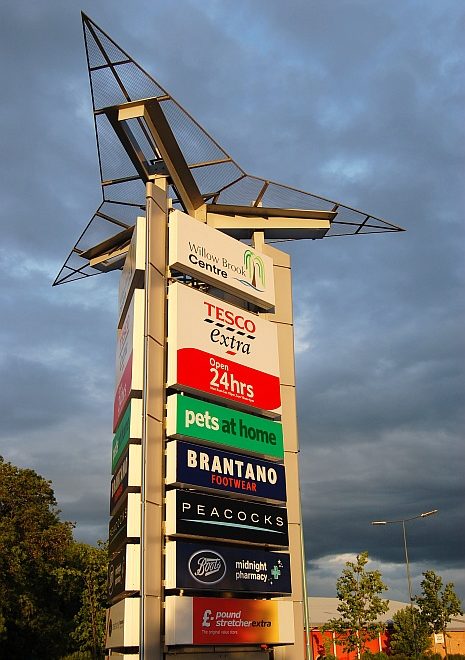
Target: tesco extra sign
{"points": [[222, 350]]}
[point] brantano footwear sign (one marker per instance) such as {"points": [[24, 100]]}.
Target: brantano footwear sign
{"points": [[196, 514], [223, 351], [202, 420], [217, 621], [215, 258], [208, 567], [193, 465]]}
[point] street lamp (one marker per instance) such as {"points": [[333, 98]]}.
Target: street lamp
{"points": [[403, 521], [407, 565]]}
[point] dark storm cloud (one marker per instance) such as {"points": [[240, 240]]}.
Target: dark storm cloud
{"points": [[359, 101]]}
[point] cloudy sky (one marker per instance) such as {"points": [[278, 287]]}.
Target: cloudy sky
{"points": [[360, 101]]}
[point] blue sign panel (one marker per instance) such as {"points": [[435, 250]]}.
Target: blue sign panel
{"points": [[208, 567], [193, 465]]}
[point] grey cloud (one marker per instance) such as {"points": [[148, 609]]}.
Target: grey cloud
{"points": [[361, 102]]}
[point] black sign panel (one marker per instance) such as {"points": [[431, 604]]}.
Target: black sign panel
{"points": [[196, 514], [117, 574], [233, 473], [117, 531], [119, 483], [208, 567]]}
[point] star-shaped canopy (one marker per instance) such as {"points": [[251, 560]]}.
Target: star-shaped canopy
{"points": [[142, 132]]}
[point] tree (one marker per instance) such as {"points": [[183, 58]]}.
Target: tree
{"points": [[360, 605], [89, 633], [411, 634], [437, 604], [33, 546], [53, 589]]}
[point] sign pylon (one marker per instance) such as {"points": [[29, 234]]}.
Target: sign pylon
{"points": [[205, 535]]}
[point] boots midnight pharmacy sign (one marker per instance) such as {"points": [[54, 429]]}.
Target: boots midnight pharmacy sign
{"points": [[222, 350], [215, 258], [236, 569]]}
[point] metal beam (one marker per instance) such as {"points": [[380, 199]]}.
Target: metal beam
{"points": [[270, 212], [169, 149], [115, 242], [274, 228], [130, 145]]}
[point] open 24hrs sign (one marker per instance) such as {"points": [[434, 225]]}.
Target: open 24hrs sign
{"points": [[221, 350]]}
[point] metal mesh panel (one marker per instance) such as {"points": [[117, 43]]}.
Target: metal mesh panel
{"points": [[196, 145], [137, 83], [130, 192], [112, 50], [242, 193], [279, 196], [114, 160], [67, 275], [106, 89], [125, 214], [211, 178], [75, 261], [98, 230], [94, 53]]}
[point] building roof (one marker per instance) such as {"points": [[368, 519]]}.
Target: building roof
{"points": [[323, 609]]}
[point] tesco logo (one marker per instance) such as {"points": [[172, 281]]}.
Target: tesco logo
{"points": [[227, 316]]}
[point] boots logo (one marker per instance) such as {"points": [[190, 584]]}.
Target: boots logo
{"points": [[207, 567], [255, 269]]}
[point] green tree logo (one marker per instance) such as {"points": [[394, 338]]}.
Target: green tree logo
{"points": [[255, 268]]}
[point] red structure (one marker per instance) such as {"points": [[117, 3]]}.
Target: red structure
{"points": [[330, 643]]}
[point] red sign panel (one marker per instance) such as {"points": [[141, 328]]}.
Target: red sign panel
{"points": [[203, 371]]}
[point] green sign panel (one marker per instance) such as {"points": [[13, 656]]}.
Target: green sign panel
{"points": [[192, 418], [128, 430]]}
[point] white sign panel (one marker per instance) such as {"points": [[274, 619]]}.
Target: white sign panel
{"points": [[122, 626], [129, 355], [222, 350], [133, 270], [213, 257]]}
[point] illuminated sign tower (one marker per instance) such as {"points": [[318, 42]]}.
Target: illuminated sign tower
{"points": [[205, 531]]}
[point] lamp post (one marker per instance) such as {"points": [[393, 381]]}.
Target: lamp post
{"points": [[407, 565]]}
